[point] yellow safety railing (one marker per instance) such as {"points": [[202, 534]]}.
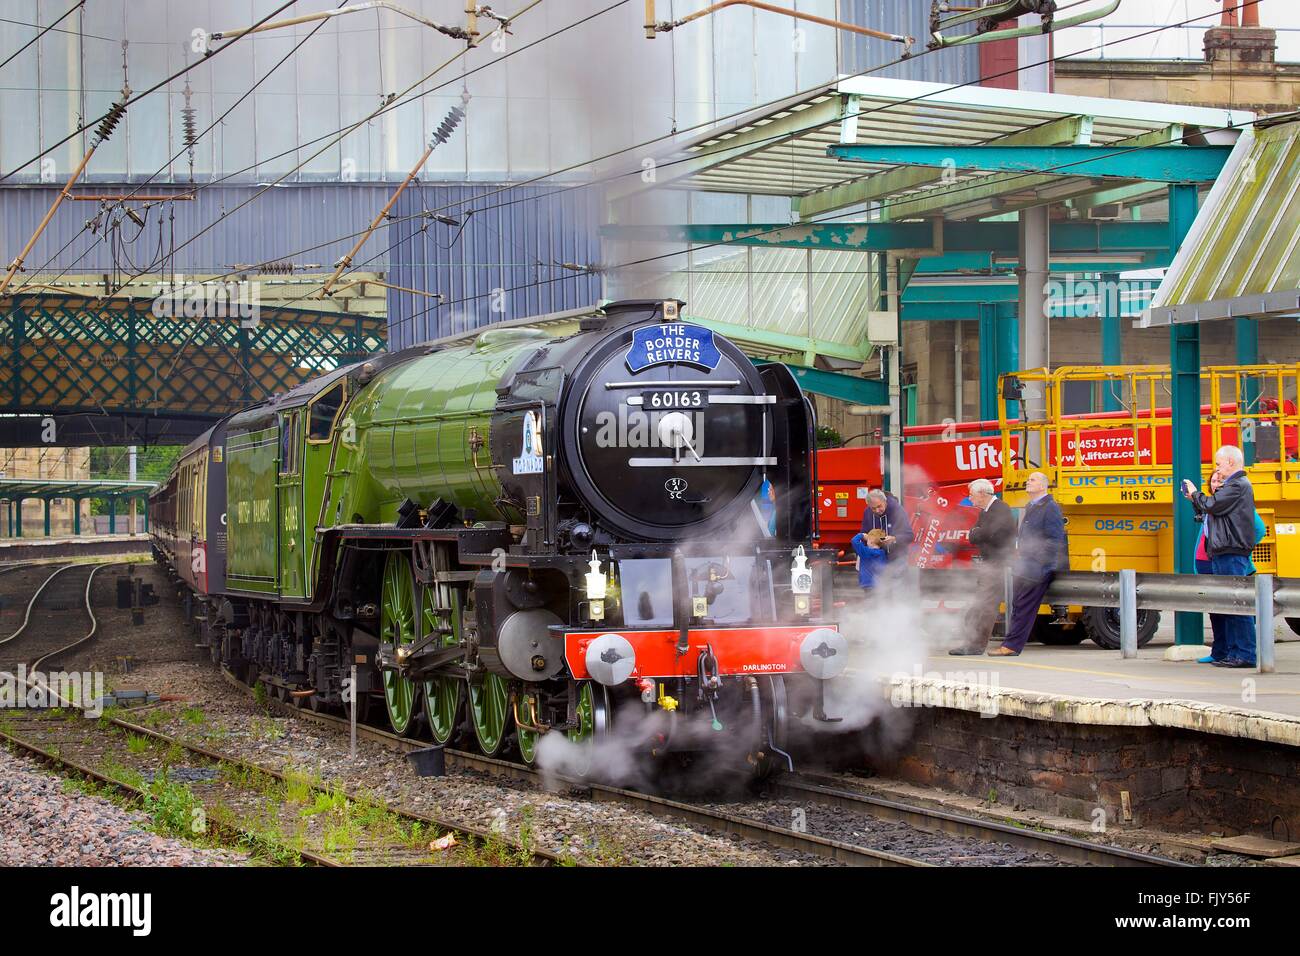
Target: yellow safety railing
{"points": [[1253, 406]]}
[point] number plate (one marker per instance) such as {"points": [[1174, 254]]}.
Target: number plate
{"points": [[687, 398]]}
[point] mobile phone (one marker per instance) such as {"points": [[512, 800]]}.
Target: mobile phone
{"points": [[1188, 487]]}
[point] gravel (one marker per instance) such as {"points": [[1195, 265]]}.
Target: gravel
{"points": [[862, 829], [208, 711], [42, 823]]}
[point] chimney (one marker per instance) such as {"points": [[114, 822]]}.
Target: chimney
{"points": [[1247, 45]]}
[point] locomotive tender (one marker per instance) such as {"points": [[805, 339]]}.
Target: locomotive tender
{"points": [[520, 532]]}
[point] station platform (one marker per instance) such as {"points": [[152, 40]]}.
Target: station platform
{"points": [[1086, 684], [14, 550]]}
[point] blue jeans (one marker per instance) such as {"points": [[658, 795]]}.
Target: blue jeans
{"points": [[1238, 629], [1218, 648]]}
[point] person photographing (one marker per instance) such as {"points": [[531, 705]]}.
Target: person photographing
{"points": [[1230, 537]]}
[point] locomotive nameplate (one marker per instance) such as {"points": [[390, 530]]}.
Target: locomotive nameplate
{"points": [[673, 344]]}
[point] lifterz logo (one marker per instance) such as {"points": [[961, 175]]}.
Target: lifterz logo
{"points": [[75, 909]]}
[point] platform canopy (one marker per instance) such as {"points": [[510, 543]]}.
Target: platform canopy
{"points": [[15, 489], [1241, 259], [889, 129], [932, 174]]}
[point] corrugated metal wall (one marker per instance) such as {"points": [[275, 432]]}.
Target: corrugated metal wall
{"points": [[513, 258], [284, 222], [910, 18]]}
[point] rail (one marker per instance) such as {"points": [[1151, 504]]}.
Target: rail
{"points": [[1263, 596]]}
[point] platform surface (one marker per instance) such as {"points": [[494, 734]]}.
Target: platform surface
{"points": [[35, 548], [1088, 684]]}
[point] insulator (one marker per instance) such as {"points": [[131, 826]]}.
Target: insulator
{"points": [[189, 124], [281, 268], [448, 126], [109, 122]]}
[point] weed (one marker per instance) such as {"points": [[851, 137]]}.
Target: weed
{"points": [[298, 786], [174, 808], [265, 729], [136, 744], [110, 768], [193, 715]]}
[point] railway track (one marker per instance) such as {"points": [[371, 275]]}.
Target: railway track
{"points": [[727, 823], [801, 788], [289, 816], [39, 639]]}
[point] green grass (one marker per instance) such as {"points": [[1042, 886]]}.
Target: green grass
{"points": [[265, 729], [120, 772], [174, 809], [194, 716], [136, 744]]}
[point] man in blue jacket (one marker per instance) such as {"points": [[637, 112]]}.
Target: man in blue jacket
{"points": [[886, 513], [1042, 549]]}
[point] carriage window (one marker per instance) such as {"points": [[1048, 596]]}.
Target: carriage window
{"points": [[323, 412], [289, 444]]}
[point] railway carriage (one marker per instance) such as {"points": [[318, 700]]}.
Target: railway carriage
{"points": [[529, 531]]}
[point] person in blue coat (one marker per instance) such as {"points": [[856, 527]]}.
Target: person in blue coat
{"points": [[872, 557]]}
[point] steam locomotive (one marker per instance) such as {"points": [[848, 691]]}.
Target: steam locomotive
{"points": [[594, 526]]}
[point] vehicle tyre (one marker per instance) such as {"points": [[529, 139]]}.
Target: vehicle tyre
{"points": [[1102, 626]]}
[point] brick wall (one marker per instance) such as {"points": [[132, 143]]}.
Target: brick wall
{"points": [[1175, 779]]}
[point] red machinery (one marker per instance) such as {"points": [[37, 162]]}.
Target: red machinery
{"points": [[935, 476], [936, 473]]}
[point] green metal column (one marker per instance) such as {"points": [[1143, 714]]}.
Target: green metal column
{"points": [[112, 514], [1185, 376], [46, 502], [988, 361], [10, 516], [1247, 333], [1112, 332], [18, 517], [76, 517], [1008, 342], [999, 352], [144, 506]]}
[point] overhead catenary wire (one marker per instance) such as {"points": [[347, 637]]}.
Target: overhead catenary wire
{"points": [[338, 135], [44, 30], [635, 146], [722, 149], [138, 96], [1119, 150], [191, 138]]}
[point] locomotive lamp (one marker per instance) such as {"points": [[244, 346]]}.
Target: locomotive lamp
{"points": [[801, 582], [596, 585]]}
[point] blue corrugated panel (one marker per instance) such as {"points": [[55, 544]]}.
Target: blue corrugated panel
{"points": [[303, 223], [861, 54], [512, 255]]}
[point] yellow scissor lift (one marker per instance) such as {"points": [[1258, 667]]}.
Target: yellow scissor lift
{"points": [[1111, 471]]}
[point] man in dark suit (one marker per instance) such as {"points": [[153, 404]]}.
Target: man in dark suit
{"points": [[1042, 549], [995, 536]]}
